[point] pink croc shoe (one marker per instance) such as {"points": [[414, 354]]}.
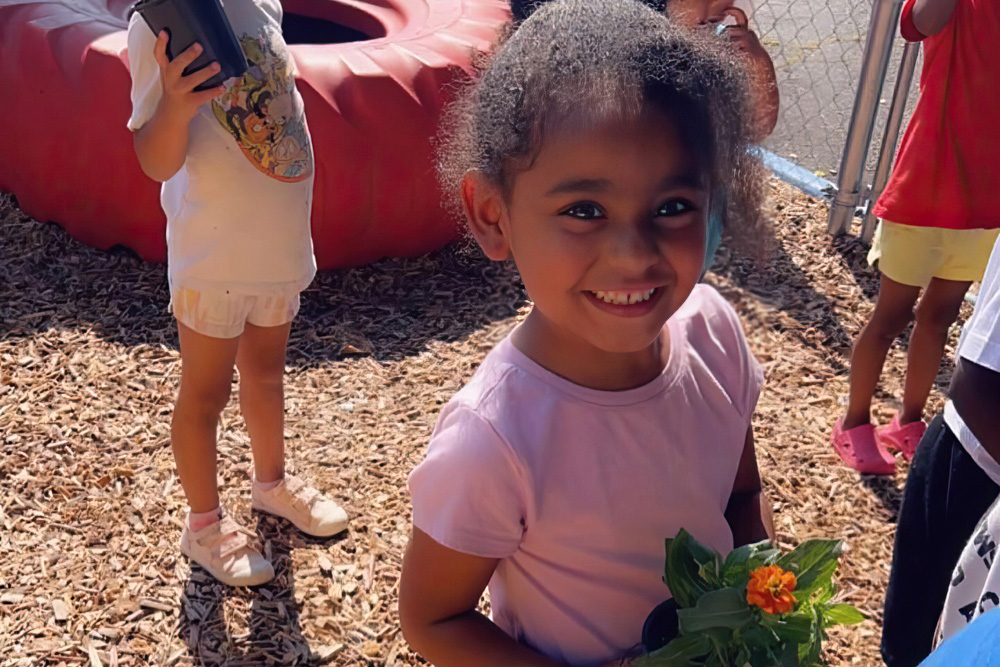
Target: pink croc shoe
{"points": [[901, 437], [860, 450]]}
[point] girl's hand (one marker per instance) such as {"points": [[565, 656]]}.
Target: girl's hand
{"points": [[746, 40], [180, 101], [740, 34], [161, 144], [764, 82]]}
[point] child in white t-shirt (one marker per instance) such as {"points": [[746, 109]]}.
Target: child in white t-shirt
{"points": [[237, 167], [953, 480]]}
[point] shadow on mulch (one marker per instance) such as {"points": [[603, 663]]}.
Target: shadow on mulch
{"points": [[389, 310], [780, 283], [885, 489], [274, 633], [854, 251]]}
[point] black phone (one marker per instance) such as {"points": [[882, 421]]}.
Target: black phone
{"points": [[201, 21]]}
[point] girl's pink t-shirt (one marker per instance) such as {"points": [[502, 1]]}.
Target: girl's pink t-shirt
{"points": [[575, 489]]}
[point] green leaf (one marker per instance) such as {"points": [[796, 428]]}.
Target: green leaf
{"points": [[724, 608], [715, 660], [790, 656], [683, 569], [795, 627], [741, 561], [842, 614], [680, 652], [758, 551], [810, 651], [813, 562], [822, 594]]}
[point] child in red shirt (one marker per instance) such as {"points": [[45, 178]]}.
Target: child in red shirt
{"points": [[940, 217]]}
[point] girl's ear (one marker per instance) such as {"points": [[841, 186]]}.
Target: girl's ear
{"points": [[485, 210]]}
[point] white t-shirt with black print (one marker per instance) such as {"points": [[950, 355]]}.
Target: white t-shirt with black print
{"points": [[975, 583], [238, 210]]}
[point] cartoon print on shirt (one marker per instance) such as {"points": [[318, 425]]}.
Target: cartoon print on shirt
{"points": [[263, 113]]}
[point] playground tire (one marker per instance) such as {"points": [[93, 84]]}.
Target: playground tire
{"points": [[372, 108]]}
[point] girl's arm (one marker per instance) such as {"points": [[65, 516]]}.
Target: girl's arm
{"points": [[161, 144], [748, 511], [931, 16], [439, 591]]}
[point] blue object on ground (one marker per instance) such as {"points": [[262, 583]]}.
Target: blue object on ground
{"points": [[797, 176], [978, 645]]}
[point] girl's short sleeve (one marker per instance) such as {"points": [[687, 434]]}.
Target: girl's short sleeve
{"points": [[722, 344], [469, 493], [147, 89]]}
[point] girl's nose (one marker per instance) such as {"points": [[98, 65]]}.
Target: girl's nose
{"points": [[634, 247]]}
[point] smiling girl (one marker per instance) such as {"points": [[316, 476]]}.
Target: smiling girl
{"points": [[589, 150]]}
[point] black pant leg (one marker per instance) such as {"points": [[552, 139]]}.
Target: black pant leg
{"points": [[946, 495]]}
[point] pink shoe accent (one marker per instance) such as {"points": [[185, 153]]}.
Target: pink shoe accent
{"points": [[198, 521], [859, 449], [901, 437]]}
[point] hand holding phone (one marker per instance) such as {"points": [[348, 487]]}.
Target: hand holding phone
{"points": [[180, 99]]}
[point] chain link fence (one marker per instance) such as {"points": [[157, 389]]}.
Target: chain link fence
{"points": [[817, 48]]}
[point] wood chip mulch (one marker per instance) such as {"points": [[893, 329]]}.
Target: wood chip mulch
{"points": [[91, 509]]}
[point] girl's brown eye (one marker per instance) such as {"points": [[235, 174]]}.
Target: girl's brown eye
{"points": [[584, 211], [675, 207]]}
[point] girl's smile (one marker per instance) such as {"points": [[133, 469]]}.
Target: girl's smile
{"points": [[625, 303]]}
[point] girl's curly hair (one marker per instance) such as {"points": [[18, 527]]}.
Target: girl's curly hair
{"points": [[581, 62]]}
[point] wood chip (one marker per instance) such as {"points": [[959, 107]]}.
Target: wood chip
{"points": [[325, 565], [155, 604], [95, 659], [60, 610]]}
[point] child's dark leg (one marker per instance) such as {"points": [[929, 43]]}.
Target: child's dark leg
{"points": [[261, 360], [945, 497], [893, 311], [937, 311], [206, 379]]}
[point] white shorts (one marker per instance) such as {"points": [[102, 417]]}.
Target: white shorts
{"points": [[224, 314]]}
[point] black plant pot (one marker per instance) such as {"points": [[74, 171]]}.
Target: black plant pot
{"points": [[660, 626]]}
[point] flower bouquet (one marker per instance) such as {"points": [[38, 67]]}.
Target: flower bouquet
{"points": [[755, 608]]}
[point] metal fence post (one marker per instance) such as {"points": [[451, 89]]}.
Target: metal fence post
{"points": [[875, 65], [890, 139]]}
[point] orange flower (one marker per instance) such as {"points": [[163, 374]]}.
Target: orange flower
{"points": [[770, 588]]}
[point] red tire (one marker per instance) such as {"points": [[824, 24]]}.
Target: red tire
{"points": [[372, 108]]}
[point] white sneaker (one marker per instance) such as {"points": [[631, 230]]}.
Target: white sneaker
{"points": [[308, 509], [224, 550]]}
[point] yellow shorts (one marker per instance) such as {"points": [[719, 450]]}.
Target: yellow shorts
{"points": [[220, 314], [914, 255]]}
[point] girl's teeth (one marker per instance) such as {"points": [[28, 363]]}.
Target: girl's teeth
{"points": [[624, 298]]}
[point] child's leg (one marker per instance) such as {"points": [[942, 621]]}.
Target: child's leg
{"points": [[937, 311], [206, 378], [261, 360], [945, 496], [893, 311]]}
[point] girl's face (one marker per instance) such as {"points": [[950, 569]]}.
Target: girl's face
{"points": [[607, 229]]}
